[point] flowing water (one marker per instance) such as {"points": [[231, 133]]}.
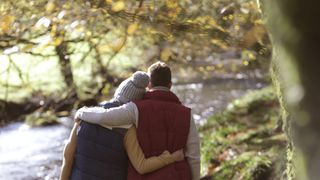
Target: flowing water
{"points": [[36, 153], [31, 153]]}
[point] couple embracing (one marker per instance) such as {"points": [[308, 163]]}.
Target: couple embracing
{"points": [[138, 135]]}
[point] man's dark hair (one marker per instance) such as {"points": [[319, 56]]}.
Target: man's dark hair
{"points": [[160, 74]]}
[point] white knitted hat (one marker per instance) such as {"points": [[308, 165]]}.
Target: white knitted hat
{"points": [[132, 88]]}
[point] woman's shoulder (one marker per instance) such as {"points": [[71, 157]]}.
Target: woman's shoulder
{"points": [[109, 104]]}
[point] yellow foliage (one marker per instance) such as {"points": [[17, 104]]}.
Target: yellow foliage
{"points": [[104, 48], [236, 27], [174, 9], [212, 22], [201, 69], [169, 38], [208, 21], [63, 113], [165, 54], [27, 47], [210, 68], [219, 43], [132, 28], [88, 33], [109, 1], [5, 23], [233, 67], [262, 51], [251, 56], [254, 35], [151, 7], [245, 62], [57, 41], [118, 6], [67, 5], [174, 12], [172, 4], [106, 90], [117, 44], [50, 6], [53, 30], [220, 65]]}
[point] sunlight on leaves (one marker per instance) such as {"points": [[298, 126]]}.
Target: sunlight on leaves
{"points": [[50, 6], [219, 43], [104, 48], [255, 34], [173, 7], [57, 41], [67, 5], [53, 30], [12, 50], [251, 56], [171, 4], [117, 44], [61, 14], [118, 6], [27, 47], [45, 22], [132, 28], [109, 1], [208, 22], [165, 54], [220, 65], [5, 23]]}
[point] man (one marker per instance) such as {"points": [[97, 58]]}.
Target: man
{"points": [[163, 123]]}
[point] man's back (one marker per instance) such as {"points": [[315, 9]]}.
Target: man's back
{"points": [[163, 125]]}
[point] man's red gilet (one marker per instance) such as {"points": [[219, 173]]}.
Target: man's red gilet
{"points": [[163, 125]]}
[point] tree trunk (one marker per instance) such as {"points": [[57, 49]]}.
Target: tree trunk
{"points": [[295, 33], [65, 64], [66, 71]]}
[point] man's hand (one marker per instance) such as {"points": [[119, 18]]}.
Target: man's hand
{"points": [[78, 114]]}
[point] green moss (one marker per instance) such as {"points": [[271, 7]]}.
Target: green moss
{"points": [[245, 138], [277, 82], [41, 118]]}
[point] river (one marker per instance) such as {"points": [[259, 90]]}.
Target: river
{"points": [[36, 153]]}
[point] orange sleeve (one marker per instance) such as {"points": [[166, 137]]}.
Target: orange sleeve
{"points": [[142, 164]]}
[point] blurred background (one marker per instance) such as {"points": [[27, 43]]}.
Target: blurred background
{"points": [[58, 55]]}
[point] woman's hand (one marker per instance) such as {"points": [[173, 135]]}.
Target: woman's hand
{"points": [[177, 155]]}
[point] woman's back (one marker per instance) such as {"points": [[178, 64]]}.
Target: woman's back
{"points": [[100, 153]]}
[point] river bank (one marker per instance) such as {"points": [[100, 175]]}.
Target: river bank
{"points": [[245, 141]]}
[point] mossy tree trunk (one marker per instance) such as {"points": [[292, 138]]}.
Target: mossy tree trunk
{"points": [[295, 33], [65, 64], [66, 71]]}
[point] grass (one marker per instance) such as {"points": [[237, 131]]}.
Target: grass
{"points": [[245, 141]]}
